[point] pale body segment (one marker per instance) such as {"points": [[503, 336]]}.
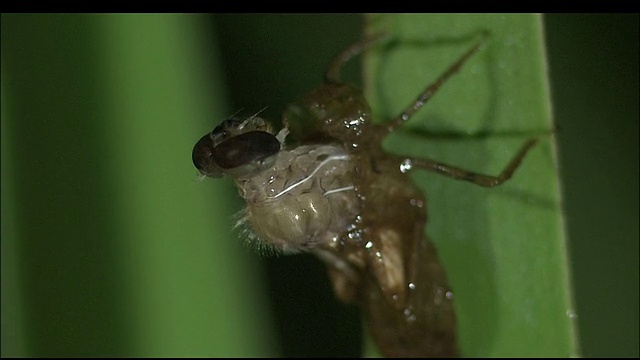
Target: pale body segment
{"points": [[306, 198]]}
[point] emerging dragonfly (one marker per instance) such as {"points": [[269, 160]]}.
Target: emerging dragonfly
{"points": [[323, 184]]}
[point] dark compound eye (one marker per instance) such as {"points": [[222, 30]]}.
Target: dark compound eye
{"points": [[245, 148], [224, 130], [203, 159], [214, 155]]}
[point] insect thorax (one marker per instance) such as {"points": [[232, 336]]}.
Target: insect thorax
{"points": [[305, 199]]}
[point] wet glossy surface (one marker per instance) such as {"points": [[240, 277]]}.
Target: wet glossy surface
{"points": [[334, 192]]}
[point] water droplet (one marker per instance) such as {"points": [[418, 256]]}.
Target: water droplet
{"points": [[405, 166], [409, 315]]}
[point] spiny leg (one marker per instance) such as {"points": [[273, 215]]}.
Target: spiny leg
{"points": [[478, 179], [333, 72], [433, 88]]}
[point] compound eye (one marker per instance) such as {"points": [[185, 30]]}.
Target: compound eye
{"points": [[224, 130], [252, 146], [203, 158]]}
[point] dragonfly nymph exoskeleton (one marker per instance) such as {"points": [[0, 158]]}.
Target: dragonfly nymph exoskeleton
{"points": [[324, 184]]}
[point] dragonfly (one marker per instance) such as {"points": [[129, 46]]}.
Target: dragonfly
{"points": [[323, 184]]}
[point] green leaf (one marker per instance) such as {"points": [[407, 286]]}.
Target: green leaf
{"points": [[594, 73], [504, 248], [110, 248], [119, 251]]}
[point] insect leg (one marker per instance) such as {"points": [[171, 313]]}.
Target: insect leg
{"points": [[433, 88], [333, 72], [461, 174]]}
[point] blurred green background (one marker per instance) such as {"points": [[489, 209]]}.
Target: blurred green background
{"points": [[110, 247]]}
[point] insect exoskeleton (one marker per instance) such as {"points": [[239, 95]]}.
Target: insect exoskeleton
{"points": [[296, 199]]}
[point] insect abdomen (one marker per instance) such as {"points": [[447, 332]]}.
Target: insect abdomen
{"points": [[305, 199]]}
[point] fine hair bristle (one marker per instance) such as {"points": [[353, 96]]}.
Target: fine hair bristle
{"points": [[250, 239]]}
